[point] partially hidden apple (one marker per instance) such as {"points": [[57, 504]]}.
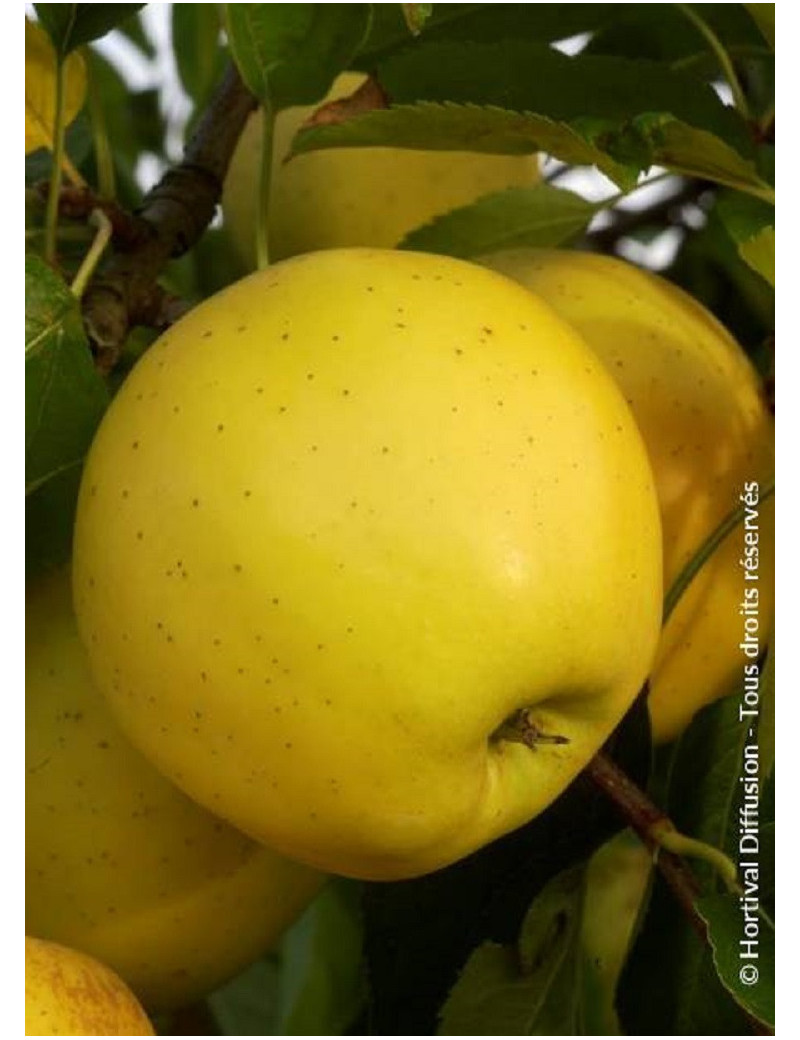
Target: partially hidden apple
{"points": [[710, 438], [352, 196], [346, 523], [120, 863], [68, 993]]}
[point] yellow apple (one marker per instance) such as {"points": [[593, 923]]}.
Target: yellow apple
{"points": [[341, 522], [119, 862], [70, 994], [708, 432], [353, 196]]}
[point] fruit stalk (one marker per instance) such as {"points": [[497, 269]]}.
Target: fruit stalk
{"points": [[657, 832]]}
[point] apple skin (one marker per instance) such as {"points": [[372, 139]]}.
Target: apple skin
{"points": [[708, 431], [352, 196], [343, 520], [68, 993], [119, 862]]}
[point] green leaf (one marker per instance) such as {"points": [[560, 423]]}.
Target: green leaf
{"points": [[290, 54], [197, 45], [49, 520], [537, 216], [697, 153], [321, 981], [531, 990], [621, 115], [529, 77], [248, 1004], [312, 985], [750, 224], [764, 17], [70, 25], [759, 253], [743, 217], [751, 979], [705, 791], [65, 396], [481, 23], [671, 984], [453, 127], [663, 33], [78, 146], [416, 15]]}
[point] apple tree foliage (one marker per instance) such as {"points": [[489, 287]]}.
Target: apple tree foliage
{"points": [[493, 944]]}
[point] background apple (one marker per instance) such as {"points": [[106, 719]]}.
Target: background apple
{"points": [[119, 863], [698, 402], [68, 993], [353, 196]]}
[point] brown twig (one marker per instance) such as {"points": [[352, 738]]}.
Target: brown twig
{"points": [[651, 823], [78, 202], [646, 818], [172, 217]]}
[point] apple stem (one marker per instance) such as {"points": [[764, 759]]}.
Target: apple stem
{"points": [[522, 728], [662, 837]]}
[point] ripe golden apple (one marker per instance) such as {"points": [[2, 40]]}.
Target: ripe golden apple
{"points": [[119, 863], [708, 432], [353, 196], [70, 994], [341, 522]]}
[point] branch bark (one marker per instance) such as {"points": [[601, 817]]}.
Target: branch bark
{"points": [[645, 817], [172, 217], [651, 823]]}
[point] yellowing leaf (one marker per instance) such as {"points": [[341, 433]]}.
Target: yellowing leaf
{"points": [[759, 252], [40, 88]]}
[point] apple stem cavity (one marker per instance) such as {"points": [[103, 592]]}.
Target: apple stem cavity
{"points": [[522, 728]]}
